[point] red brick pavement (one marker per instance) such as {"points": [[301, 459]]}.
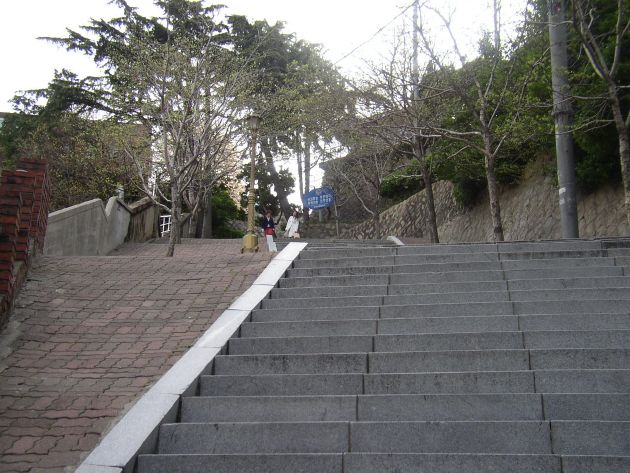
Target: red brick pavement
{"points": [[90, 334]]}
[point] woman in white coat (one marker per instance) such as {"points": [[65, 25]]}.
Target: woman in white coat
{"points": [[293, 225]]}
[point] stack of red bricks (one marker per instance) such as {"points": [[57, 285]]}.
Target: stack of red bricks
{"points": [[24, 197]]}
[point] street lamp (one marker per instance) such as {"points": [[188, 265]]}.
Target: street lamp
{"points": [[250, 240]]}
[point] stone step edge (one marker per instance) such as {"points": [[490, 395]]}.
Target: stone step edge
{"points": [[341, 462], [520, 334], [506, 282], [500, 256], [477, 303], [388, 275], [399, 353], [136, 431], [470, 317], [612, 259]]}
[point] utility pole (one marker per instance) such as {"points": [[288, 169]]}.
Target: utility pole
{"points": [[563, 116]]}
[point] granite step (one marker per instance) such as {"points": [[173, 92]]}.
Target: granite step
{"points": [[496, 275], [602, 381], [243, 463], [410, 407], [369, 357], [516, 437]]}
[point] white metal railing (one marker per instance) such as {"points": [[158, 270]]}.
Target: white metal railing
{"points": [[165, 224]]}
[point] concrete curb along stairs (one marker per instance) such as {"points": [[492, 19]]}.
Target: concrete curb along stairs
{"points": [[447, 358], [137, 431]]}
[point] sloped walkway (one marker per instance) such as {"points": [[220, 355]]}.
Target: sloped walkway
{"points": [[90, 334]]}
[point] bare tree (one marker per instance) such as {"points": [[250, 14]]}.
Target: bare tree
{"points": [[178, 76], [188, 86], [604, 50], [402, 106], [363, 171], [495, 86]]}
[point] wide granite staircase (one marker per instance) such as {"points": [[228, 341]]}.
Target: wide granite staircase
{"points": [[480, 358]]}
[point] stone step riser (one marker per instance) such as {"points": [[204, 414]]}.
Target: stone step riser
{"points": [[249, 463], [221, 438], [509, 275], [428, 325], [583, 265], [399, 408], [541, 295], [378, 258], [380, 463], [427, 361], [602, 306], [430, 342], [531, 437], [364, 280], [473, 261], [450, 277], [481, 382], [307, 329], [428, 288], [434, 463], [305, 314]]}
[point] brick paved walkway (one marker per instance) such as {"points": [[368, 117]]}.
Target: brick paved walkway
{"points": [[90, 334]]}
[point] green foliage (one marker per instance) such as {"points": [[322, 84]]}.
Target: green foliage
{"points": [[597, 159], [467, 192], [15, 128], [224, 209], [403, 183], [265, 197], [85, 159], [227, 232]]}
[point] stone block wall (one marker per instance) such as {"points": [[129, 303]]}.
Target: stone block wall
{"points": [[409, 218], [530, 211]]}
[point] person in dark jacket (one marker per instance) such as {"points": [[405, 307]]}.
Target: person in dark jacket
{"points": [[269, 228]]}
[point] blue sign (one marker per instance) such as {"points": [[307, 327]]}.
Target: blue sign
{"points": [[319, 198]]}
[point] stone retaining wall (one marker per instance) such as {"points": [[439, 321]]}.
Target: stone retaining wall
{"points": [[530, 212]]}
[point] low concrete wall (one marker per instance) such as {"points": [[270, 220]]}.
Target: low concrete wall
{"points": [[144, 220], [87, 229]]}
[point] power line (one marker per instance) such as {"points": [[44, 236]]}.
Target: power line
{"points": [[379, 31]]}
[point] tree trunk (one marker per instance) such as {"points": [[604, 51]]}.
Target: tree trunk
{"points": [[196, 220], [275, 179], [377, 225], [298, 142], [493, 196], [207, 216], [419, 154], [307, 169], [428, 188], [199, 221], [176, 210], [624, 145]]}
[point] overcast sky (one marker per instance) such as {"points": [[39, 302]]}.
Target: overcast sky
{"points": [[338, 25]]}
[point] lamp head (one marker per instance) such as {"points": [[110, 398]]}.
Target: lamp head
{"points": [[253, 121]]}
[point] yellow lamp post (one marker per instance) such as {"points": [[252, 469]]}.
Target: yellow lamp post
{"points": [[250, 240]]}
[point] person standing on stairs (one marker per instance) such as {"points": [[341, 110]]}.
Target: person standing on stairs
{"points": [[269, 228], [293, 224]]}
